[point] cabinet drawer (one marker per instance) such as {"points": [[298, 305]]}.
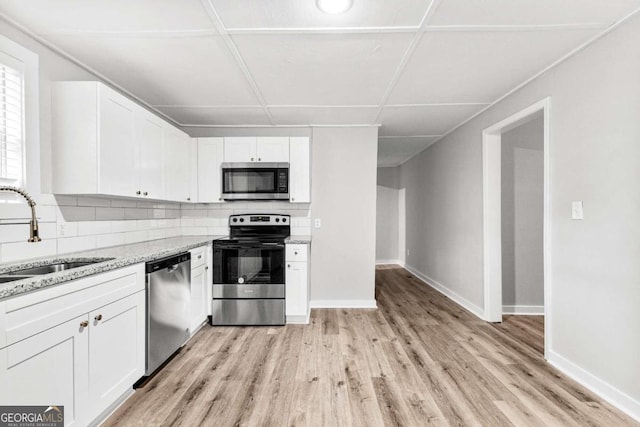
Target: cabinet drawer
{"points": [[198, 256], [296, 252], [35, 312]]}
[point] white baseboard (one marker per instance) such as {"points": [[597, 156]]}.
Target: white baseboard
{"points": [[615, 397], [347, 303], [523, 310], [112, 408], [478, 311], [389, 261], [300, 319]]}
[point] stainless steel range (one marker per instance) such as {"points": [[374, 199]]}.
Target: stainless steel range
{"points": [[249, 270]]}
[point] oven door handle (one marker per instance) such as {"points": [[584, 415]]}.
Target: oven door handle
{"points": [[252, 246]]}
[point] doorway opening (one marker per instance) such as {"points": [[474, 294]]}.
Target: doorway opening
{"points": [[516, 218]]}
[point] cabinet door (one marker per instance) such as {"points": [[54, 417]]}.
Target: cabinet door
{"points": [[273, 149], [296, 298], [240, 149], [49, 368], [177, 155], [299, 170], [149, 155], [116, 349], [117, 154], [210, 152], [198, 296]]}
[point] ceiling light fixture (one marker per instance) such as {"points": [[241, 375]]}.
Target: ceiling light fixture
{"points": [[334, 7]]}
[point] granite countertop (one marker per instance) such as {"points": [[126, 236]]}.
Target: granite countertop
{"points": [[110, 259], [298, 240]]}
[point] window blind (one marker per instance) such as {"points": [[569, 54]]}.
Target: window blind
{"points": [[11, 125]]}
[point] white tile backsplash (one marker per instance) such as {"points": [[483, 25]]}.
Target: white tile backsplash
{"points": [[74, 223]]}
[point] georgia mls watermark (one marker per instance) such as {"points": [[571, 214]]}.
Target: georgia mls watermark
{"points": [[31, 416]]}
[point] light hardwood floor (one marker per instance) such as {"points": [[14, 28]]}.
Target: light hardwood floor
{"points": [[419, 359]]}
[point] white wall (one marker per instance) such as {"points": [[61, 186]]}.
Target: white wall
{"points": [[595, 157], [522, 216], [387, 215], [343, 196]]}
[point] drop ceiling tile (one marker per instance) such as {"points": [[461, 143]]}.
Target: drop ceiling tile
{"points": [[530, 12], [168, 71], [43, 16], [462, 66], [219, 116], [327, 69], [305, 14], [393, 151], [423, 120], [291, 115]]}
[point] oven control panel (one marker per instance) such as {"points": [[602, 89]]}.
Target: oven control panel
{"points": [[258, 220]]}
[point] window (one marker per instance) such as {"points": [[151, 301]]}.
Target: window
{"points": [[11, 124]]}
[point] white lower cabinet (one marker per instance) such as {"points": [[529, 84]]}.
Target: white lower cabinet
{"points": [[199, 269], [119, 326], [49, 368], [79, 345], [297, 283]]}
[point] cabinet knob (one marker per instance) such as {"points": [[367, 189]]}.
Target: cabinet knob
{"points": [[293, 199], [288, 265], [138, 192], [252, 159], [295, 252], [199, 256], [206, 267], [188, 199], [145, 193], [98, 317], [259, 159], [84, 324], [219, 198]]}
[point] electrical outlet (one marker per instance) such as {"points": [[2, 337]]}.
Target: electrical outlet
{"points": [[576, 210], [318, 223]]}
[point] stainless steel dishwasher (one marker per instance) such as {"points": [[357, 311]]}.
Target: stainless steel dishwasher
{"points": [[168, 308]]}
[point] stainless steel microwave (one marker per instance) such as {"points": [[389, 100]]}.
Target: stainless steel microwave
{"points": [[255, 181]]}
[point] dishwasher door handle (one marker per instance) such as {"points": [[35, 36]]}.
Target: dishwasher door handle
{"points": [[172, 268]]}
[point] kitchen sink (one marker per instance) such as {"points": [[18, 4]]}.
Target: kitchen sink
{"points": [[5, 279], [46, 269]]}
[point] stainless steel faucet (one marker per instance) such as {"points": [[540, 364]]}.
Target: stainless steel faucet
{"points": [[33, 225]]}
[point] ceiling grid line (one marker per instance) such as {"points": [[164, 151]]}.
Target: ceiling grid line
{"points": [[544, 70], [233, 49], [433, 5]]}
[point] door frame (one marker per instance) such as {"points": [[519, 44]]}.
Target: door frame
{"points": [[492, 221]]}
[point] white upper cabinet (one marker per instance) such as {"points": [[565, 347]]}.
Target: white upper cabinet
{"points": [[210, 156], [115, 118], [272, 149], [149, 161], [299, 170], [240, 149], [177, 165], [105, 144], [260, 149]]}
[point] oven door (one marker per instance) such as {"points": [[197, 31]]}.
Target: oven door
{"points": [[248, 270], [252, 181]]}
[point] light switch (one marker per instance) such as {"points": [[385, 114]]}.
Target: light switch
{"points": [[576, 210], [318, 223]]}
